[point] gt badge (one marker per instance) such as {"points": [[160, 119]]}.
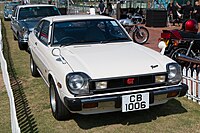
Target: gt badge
{"points": [[130, 81]]}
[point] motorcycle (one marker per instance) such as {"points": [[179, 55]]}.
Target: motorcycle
{"points": [[176, 43], [139, 33]]}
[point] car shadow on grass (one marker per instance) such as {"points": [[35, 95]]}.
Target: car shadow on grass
{"points": [[91, 121]]}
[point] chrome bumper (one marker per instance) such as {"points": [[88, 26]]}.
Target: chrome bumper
{"points": [[75, 104]]}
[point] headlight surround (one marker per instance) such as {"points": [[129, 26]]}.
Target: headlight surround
{"points": [[174, 73], [78, 83]]}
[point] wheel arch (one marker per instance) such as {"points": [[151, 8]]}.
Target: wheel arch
{"points": [[52, 77]]}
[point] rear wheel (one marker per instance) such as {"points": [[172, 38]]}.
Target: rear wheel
{"points": [[33, 67], [59, 111], [174, 54]]}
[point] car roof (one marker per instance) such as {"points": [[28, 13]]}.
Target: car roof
{"points": [[75, 17], [35, 5]]}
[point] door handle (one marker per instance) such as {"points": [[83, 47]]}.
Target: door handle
{"points": [[35, 43]]}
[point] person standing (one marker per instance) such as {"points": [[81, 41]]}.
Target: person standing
{"points": [[102, 8], [196, 12], [92, 10], [110, 9], [187, 11], [49, 2], [172, 12]]}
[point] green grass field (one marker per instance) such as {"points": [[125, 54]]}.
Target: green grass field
{"points": [[177, 116]]}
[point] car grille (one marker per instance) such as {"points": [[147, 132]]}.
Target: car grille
{"points": [[120, 83]]}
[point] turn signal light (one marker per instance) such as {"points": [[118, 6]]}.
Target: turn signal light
{"points": [[172, 94], [59, 85], [176, 43], [90, 105]]}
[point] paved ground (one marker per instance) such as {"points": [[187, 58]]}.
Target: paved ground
{"points": [[154, 33]]}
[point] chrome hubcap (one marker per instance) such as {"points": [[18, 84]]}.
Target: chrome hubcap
{"points": [[53, 99], [31, 65]]}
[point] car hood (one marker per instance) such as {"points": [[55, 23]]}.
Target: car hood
{"points": [[114, 60], [30, 23]]}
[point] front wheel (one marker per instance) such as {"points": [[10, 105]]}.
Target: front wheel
{"points": [[22, 46], [59, 111], [15, 38], [141, 35], [174, 54]]}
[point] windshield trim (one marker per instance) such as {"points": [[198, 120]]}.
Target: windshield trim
{"points": [[92, 42]]}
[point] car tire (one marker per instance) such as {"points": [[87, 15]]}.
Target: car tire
{"points": [[15, 38], [33, 67], [59, 111], [5, 19], [22, 46]]}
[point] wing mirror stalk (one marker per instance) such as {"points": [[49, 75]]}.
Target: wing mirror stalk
{"points": [[57, 52]]}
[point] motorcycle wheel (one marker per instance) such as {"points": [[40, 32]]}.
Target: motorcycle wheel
{"points": [[174, 53], [141, 36]]}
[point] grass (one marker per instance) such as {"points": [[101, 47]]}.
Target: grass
{"points": [[177, 116]]}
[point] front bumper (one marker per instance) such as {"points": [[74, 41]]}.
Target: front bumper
{"points": [[23, 41], [76, 104], [7, 16]]}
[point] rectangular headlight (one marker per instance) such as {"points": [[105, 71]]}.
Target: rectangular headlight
{"points": [[160, 79], [101, 85]]}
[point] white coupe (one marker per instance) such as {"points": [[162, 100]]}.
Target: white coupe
{"points": [[91, 65]]}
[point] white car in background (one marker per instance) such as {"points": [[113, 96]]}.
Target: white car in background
{"points": [[91, 65]]}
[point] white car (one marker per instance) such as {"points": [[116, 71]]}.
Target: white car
{"points": [[91, 65]]}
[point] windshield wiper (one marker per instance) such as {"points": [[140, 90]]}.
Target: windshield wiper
{"points": [[78, 42], [69, 43], [115, 39]]}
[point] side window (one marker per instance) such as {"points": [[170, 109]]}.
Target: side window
{"points": [[14, 12], [38, 29], [43, 37]]}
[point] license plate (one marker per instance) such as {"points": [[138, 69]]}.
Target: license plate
{"points": [[135, 102]]}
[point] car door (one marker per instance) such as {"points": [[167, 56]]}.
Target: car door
{"points": [[14, 20], [41, 48]]}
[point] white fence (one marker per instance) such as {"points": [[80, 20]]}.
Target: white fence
{"points": [[14, 122], [192, 79]]}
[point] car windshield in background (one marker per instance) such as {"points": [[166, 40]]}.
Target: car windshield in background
{"points": [[11, 6], [88, 31], [35, 12]]}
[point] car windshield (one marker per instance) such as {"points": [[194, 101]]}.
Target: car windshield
{"points": [[88, 31], [11, 6], [35, 12]]}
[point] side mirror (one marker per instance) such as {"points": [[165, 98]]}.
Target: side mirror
{"points": [[13, 17], [56, 52]]}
